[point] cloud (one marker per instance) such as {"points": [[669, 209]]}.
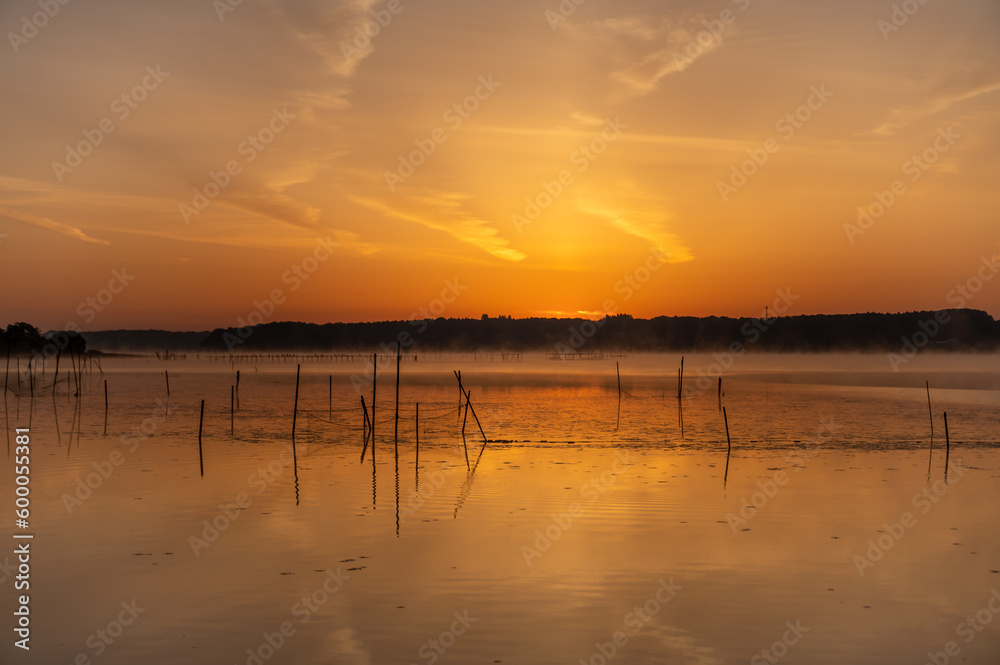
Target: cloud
{"points": [[645, 221], [51, 225], [277, 206], [328, 30], [443, 212], [901, 117], [644, 50]]}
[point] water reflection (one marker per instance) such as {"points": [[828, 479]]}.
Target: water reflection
{"points": [[605, 535]]}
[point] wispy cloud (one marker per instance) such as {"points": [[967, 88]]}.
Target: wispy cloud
{"points": [[903, 116], [444, 212], [328, 30], [643, 50], [276, 206], [46, 223], [646, 221]]}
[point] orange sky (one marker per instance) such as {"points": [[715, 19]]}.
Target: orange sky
{"points": [[642, 109]]}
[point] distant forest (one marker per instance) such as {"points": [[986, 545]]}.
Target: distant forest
{"points": [[959, 329]]}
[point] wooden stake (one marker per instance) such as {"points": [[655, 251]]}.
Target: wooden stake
{"points": [[680, 382], [729, 445], [105, 407], [618, 371], [6, 376], [395, 431], [947, 445], [464, 445], [166, 375], [295, 409], [374, 385], [929, 411], [365, 426], [331, 397], [232, 410], [201, 422], [56, 379], [468, 407], [416, 430]]}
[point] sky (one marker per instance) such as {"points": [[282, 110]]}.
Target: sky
{"points": [[182, 165]]}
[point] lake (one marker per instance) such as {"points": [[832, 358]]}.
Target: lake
{"points": [[594, 526]]}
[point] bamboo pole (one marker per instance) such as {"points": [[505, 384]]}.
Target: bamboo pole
{"points": [[295, 409], [201, 422], [929, 411], [947, 445], [374, 386], [56, 379], [618, 371], [464, 420], [365, 427], [729, 445], [395, 431], [680, 383]]}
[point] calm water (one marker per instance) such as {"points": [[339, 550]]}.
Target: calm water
{"points": [[586, 531]]}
